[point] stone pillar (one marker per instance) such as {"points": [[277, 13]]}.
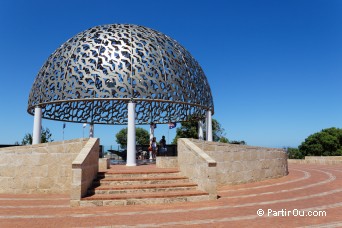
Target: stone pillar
{"points": [[131, 143], [209, 127], [91, 130], [151, 137], [200, 130], [37, 125]]}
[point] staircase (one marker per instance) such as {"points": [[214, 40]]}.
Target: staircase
{"points": [[122, 185]]}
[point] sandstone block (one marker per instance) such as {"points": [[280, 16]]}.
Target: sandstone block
{"points": [[40, 171], [74, 203], [237, 156]]}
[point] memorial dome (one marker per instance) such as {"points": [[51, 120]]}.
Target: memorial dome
{"points": [[92, 76]]}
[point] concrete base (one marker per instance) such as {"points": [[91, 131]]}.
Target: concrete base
{"points": [[167, 162], [104, 164]]}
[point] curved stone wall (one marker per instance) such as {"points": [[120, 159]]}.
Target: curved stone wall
{"points": [[235, 163], [40, 168]]}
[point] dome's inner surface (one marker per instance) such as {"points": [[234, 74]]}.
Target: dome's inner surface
{"points": [[93, 75]]}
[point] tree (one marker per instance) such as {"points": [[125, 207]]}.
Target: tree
{"points": [[238, 142], [294, 153], [218, 131], [142, 137], [223, 140], [27, 140], [327, 142], [46, 136], [189, 129]]}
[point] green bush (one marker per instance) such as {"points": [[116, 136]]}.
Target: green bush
{"points": [[327, 142]]}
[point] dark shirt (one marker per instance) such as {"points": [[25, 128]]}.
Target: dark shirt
{"points": [[162, 143]]}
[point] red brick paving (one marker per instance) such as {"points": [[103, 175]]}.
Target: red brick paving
{"points": [[307, 187]]}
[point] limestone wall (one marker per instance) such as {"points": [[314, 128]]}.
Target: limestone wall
{"points": [[322, 160], [198, 166], [84, 170], [241, 164], [335, 158], [41, 168]]}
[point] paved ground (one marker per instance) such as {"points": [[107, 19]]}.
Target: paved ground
{"points": [[307, 190]]}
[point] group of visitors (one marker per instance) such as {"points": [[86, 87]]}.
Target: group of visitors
{"points": [[154, 147]]}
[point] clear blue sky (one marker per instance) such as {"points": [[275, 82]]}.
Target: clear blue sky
{"points": [[274, 66]]}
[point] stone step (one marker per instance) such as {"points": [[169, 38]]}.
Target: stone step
{"points": [[140, 180], [123, 189], [116, 174], [144, 198], [113, 169], [122, 185]]}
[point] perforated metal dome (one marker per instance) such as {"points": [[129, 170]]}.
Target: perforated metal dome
{"points": [[92, 76]]}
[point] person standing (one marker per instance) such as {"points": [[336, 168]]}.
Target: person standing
{"points": [[162, 144], [153, 144]]}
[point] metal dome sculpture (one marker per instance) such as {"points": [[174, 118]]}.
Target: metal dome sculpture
{"points": [[92, 76]]}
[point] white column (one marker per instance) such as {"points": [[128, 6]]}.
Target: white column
{"points": [[37, 125], [209, 127], [200, 130], [151, 137], [206, 125], [91, 130], [131, 144], [151, 131]]}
